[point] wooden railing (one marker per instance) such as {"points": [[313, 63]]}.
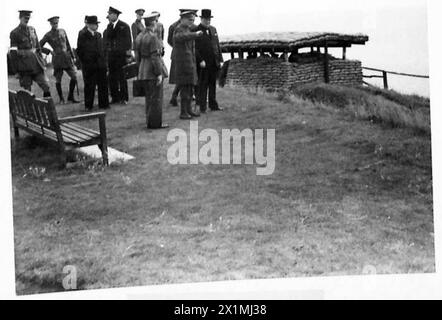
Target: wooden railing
{"points": [[385, 77]]}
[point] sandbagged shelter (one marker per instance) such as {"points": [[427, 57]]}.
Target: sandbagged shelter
{"points": [[281, 60]]}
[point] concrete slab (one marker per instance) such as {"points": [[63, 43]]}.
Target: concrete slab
{"points": [[113, 154]]}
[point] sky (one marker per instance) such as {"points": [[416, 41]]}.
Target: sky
{"points": [[397, 28]]}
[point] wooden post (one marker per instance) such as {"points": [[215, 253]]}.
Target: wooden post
{"points": [[241, 54], [232, 55], [384, 76], [312, 49], [286, 56], [344, 53], [326, 66]]}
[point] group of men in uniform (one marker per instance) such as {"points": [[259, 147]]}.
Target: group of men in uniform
{"points": [[196, 60]]}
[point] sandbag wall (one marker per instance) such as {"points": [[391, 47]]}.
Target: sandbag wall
{"points": [[276, 74]]}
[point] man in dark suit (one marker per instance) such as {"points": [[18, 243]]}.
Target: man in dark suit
{"points": [[209, 59], [90, 50], [118, 42]]}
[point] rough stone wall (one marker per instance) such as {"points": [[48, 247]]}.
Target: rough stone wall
{"points": [[260, 72], [275, 74]]}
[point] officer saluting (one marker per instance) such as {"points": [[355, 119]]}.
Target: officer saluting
{"points": [[62, 58], [91, 53], [26, 55], [209, 58], [119, 44]]}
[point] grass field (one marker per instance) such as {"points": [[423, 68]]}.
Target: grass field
{"points": [[346, 194]]}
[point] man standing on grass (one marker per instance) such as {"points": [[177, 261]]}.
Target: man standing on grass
{"points": [[62, 58], [209, 59], [26, 55], [185, 62], [152, 71], [90, 50], [173, 101], [118, 42]]}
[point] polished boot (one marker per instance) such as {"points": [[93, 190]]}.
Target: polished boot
{"points": [[60, 92], [72, 85]]}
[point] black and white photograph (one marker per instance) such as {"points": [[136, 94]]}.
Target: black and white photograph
{"points": [[185, 142]]}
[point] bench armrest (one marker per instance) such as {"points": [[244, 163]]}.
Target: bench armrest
{"points": [[82, 117]]}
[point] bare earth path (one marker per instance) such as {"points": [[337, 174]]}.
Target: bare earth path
{"points": [[345, 194]]}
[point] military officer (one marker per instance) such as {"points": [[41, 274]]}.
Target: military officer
{"points": [[159, 28], [209, 58], [185, 62], [90, 50], [62, 58], [118, 42], [138, 26], [152, 71], [176, 91], [26, 55]]}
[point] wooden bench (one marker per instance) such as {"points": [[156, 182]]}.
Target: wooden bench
{"points": [[39, 118]]}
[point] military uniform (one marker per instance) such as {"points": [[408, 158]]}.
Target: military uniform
{"points": [[176, 91], [27, 60], [148, 49], [137, 28], [170, 42], [208, 50], [62, 59], [159, 31], [90, 50], [185, 73]]}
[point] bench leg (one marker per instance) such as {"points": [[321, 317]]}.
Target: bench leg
{"points": [[16, 134], [63, 159], [104, 153]]}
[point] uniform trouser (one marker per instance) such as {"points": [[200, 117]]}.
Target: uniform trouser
{"points": [[39, 78], [186, 92], [207, 83], [154, 103], [58, 74], [117, 81], [175, 93], [93, 78]]}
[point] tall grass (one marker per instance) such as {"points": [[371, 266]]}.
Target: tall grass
{"points": [[383, 106]]}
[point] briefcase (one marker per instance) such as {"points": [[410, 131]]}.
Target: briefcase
{"points": [[138, 88], [130, 70]]}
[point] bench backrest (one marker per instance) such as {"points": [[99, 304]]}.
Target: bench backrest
{"points": [[24, 105]]}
